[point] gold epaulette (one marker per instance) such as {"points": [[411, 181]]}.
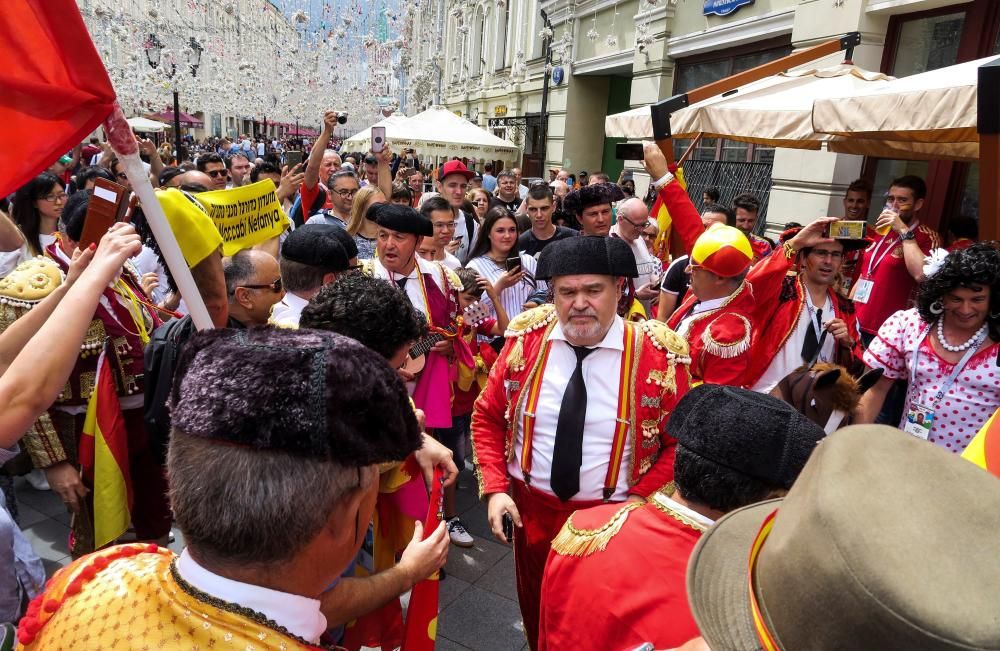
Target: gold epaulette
{"points": [[571, 541], [529, 320], [453, 279], [367, 266], [667, 340], [30, 282], [525, 322], [727, 336]]}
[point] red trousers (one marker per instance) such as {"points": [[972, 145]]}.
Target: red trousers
{"points": [[542, 515]]}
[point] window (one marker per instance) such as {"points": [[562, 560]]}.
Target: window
{"points": [[478, 38], [500, 51], [928, 44]]}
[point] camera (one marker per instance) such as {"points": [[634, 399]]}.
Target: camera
{"points": [[342, 117]]}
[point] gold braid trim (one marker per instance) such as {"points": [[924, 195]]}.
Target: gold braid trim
{"points": [[571, 541], [665, 507]]}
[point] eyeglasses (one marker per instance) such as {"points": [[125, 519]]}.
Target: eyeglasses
{"points": [[634, 224], [273, 286], [346, 194], [53, 198], [216, 173], [649, 236], [445, 226]]}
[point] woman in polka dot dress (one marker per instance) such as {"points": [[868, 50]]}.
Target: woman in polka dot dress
{"points": [[957, 319]]}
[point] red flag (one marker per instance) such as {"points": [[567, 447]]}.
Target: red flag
{"points": [[55, 89], [421, 616]]}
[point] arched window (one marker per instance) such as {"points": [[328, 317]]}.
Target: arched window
{"points": [[477, 36], [500, 50]]}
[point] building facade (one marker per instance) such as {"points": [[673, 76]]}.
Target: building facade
{"points": [[608, 56]]}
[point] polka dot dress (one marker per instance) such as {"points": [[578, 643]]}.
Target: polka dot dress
{"points": [[970, 401]]}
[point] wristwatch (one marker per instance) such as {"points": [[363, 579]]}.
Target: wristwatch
{"points": [[908, 235]]}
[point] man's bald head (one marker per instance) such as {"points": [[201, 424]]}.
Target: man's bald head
{"points": [[632, 218], [559, 189], [194, 177]]}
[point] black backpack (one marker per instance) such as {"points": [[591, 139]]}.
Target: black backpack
{"points": [[160, 359]]}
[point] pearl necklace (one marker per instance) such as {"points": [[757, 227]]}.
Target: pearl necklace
{"points": [[974, 340]]}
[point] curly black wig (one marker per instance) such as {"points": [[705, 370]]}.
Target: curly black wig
{"points": [[977, 265], [368, 310]]}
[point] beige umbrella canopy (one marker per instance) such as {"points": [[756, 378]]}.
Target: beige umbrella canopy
{"points": [[931, 111], [439, 132], [775, 111]]}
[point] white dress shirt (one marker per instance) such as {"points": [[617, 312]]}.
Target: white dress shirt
{"points": [[299, 615], [704, 306], [601, 375], [288, 310], [412, 288], [789, 357]]}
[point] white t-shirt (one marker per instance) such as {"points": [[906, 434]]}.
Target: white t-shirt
{"points": [[512, 298], [789, 357]]}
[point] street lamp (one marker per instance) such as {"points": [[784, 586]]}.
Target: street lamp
{"points": [[154, 50]]}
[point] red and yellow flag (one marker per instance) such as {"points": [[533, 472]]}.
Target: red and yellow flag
{"points": [[984, 449], [422, 614], [104, 457], [660, 213]]}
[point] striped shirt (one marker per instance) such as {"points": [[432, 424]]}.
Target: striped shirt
{"points": [[512, 298]]}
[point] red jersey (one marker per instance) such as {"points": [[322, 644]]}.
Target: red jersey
{"points": [[883, 265], [485, 357]]}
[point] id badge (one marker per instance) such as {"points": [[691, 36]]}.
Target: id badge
{"points": [[863, 290], [919, 420]]}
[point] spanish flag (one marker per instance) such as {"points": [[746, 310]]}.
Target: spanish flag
{"points": [[104, 457], [984, 449], [660, 213], [422, 615]]}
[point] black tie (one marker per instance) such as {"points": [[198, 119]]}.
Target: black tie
{"points": [[567, 455], [401, 283], [810, 345]]}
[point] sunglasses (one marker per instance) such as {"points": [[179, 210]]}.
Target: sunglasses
{"points": [[273, 286], [217, 173]]}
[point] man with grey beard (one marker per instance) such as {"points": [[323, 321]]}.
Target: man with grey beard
{"points": [[567, 452]]}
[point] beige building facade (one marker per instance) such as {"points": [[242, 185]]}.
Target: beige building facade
{"points": [[610, 56]]}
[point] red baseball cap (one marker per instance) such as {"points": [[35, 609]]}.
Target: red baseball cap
{"points": [[455, 167]]}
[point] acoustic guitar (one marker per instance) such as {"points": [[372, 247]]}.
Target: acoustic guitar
{"points": [[472, 316]]}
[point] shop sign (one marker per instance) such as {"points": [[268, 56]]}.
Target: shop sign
{"points": [[724, 7], [500, 111]]}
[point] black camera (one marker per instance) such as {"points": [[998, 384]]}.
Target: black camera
{"points": [[342, 118]]}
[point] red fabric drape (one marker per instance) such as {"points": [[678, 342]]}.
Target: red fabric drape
{"points": [[54, 89]]}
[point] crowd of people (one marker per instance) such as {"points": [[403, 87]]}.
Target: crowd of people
{"points": [[644, 411]]}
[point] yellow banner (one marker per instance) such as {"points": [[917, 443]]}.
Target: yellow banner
{"points": [[245, 216]]}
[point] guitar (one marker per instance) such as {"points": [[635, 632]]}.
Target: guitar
{"points": [[472, 316]]}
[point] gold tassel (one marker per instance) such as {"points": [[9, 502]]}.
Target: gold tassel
{"points": [[515, 358], [583, 542]]}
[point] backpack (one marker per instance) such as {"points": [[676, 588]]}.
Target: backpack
{"points": [[160, 358]]}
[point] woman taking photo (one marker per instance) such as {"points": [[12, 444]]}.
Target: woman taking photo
{"points": [[480, 200], [36, 209], [362, 228], [946, 348], [496, 258]]}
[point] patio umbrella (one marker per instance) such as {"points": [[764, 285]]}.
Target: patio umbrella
{"points": [[145, 126], [775, 111], [931, 107], [439, 132]]}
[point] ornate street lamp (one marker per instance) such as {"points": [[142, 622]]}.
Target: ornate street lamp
{"points": [[154, 50]]}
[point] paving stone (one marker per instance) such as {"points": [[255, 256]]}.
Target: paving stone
{"points": [[477, 523], [45, 501], [483, 621], [49, 539], [451, 588], [470, 563], [51, 567], [28, 515], [444, 644], [500, 579]]}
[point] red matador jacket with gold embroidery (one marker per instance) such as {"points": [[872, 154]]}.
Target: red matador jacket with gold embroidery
{"points": [[654, 377], [779, 304], [719, 339]]}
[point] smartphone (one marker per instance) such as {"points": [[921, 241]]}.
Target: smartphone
{"points": [[107, 205], [845, 229], [628, 151], [508, 527], [378, 139], [513, 264], [293, 158]]}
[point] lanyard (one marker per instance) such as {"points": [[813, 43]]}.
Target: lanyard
{"points": [[816, 325], [954, 374], [873, 262]]}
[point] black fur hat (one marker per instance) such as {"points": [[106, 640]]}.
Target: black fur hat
{"points": [[310, 393], [751, 433], [587, 254], [592, 195]]}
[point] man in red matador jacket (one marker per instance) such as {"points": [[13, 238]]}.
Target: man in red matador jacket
{"points": [[616, 576], [575, 408], [800, 316], [715, 318]]}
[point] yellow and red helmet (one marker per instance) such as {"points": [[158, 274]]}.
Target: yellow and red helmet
{"points": [[723, 250]]}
